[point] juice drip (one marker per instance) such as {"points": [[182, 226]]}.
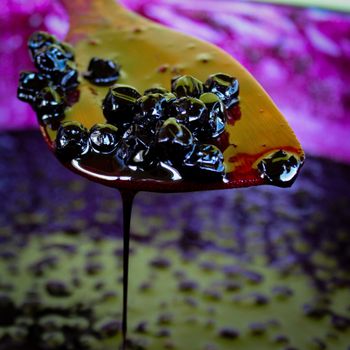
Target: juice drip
{"points": [[127, 200]]}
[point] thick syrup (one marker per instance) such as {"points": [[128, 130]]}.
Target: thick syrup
{"points": [[127, 198]]}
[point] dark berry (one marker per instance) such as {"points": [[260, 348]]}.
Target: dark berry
{"points": [[137, 147], [104, 138], [51, 60], [119, 106], [217, 116], [225, 87], [206, 162], [39, 40], [102, 72], [150, 106], [155, 90], [49, 106], [190, 111], [29, 85], [72, 141], [187, 85], [68, 78], [68, 50], [280, 168], [174, 141]]}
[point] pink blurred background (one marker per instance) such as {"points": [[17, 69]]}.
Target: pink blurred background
{"points": [[301, 57]]}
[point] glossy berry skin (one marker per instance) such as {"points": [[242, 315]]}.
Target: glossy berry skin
{"points": [[102, 72], [39, 40], [206, 162], [49, 106], [155, 90], [279, 169], [29, 85], [225, 87], [104, 138], [174, 142], [137, 147], [217, 116], [150, 106], [68, 78], [190, 111], [68, 50], [186, 85], [72, 141], [50, 60], [119, 106]]}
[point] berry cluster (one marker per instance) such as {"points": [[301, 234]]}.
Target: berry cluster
{"points": [[46, 90], [177, 128]]}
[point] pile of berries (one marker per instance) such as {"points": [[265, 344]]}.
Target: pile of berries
{"points": [[46, 90], [177, 128]]}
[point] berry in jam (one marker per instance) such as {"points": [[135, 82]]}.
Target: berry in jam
{"points": [[68, 50], [29, 85], [206, 163], [49, 106], [186, 85], [225, 87], [119, 106], [174, 142], [190, 111], [102, 72], [68, 78], [104, 138], [155, 90], [279, 168], [72, 141], [137, 147], [150, 106], [39, 40], [217, 116], [51, 60]]}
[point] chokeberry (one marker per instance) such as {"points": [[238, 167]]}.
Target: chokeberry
{"points": [[29, 85], [72, 141], [225, 87], [190, 111], [104, 138], [119, 105], [49, 106], [68, 50], [150, 106], [51, 60], [174, 141], [67, 79], [217, 116], [186, 85], [279, 168], [155, 90], [102, 72], [205, 162], [137, 147], [38, 40]]}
